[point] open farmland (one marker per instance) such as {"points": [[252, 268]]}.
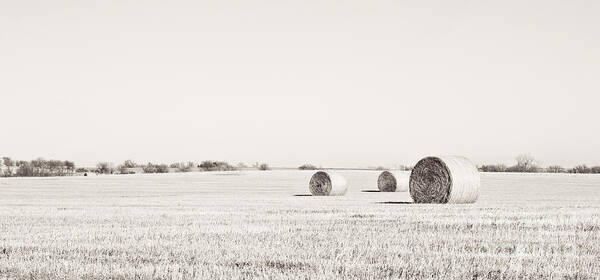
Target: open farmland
{"points": [[262, 225]]}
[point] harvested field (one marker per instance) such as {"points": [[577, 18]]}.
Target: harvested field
{"points": [[262, 225]]}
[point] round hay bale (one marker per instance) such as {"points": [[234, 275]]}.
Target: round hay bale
{"points": [[392, 182], [324, 184], [448, 179]]}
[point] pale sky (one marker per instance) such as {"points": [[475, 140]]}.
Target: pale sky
{"points": [[333, 83]]}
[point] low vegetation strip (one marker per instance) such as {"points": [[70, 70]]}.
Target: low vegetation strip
{"points": [[46, 168], [43, 168], [36, 168]]}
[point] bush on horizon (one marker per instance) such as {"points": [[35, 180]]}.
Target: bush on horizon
{"points": [[209, 165], [263, 167], [155, 168], [307, 167]]}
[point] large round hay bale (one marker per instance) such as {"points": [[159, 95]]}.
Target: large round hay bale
{"points": [[392, 182], [323, 183], [447, 179]]}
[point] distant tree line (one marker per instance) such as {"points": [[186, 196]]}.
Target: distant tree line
{"points": [[527, 164], [128, 167], [183, 166], [309, 166], [208, 165], [155, 168], [36, 168], [41, 167]]}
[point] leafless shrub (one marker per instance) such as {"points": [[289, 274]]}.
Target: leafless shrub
{"points": [[105, 168], [208, 165], [307, 167], [555, 169], [155, 168]]}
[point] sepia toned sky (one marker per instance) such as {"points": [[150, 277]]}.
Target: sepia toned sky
{"points": [[333, 83]]}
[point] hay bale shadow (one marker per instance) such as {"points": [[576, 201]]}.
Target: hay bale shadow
{"points": [[395, 202], [375, 191], [303, 195]]}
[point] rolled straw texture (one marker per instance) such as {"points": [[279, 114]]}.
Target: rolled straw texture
{"points": [[446, 179], [392, 182], [327, 184]]}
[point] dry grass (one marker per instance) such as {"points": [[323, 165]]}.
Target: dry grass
{"points": [[198, 225]]}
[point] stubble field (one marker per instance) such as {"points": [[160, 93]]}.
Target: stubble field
{"points": [[247, 225]]}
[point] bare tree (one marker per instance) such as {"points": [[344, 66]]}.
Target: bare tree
{"points": [[105, 168], [556, 169], [526, 163], [129, 164], [9, 163], [183, 166], [70, 166]]}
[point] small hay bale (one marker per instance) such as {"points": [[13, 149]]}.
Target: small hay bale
{"points": [[325, 184], [392, 182], [448, 179]]}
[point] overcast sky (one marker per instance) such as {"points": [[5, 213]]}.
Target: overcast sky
{"points": [[334, 83]]}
